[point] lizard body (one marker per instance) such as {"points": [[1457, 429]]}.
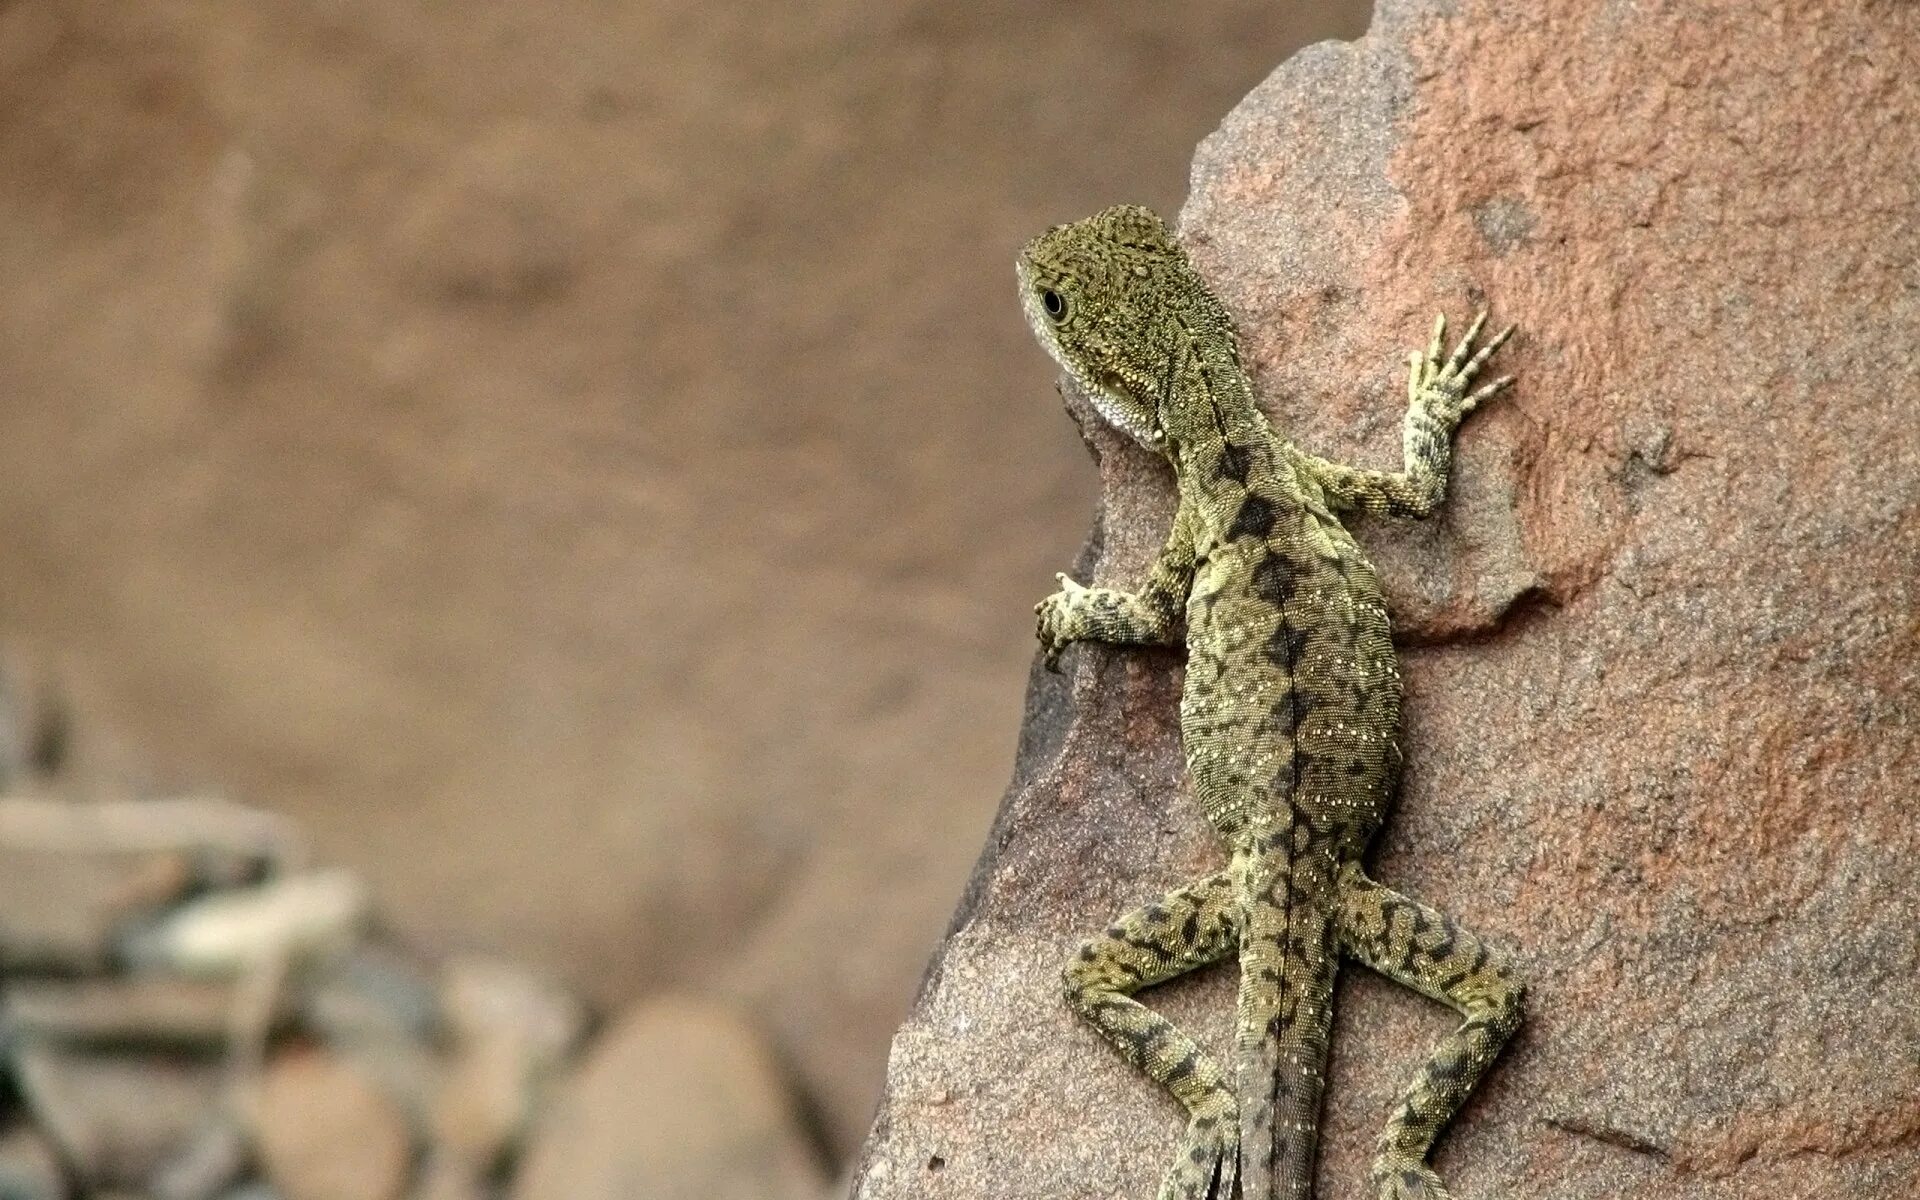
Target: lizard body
{"points": [[1289, 720]]}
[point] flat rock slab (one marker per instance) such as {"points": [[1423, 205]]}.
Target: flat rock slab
{"points": [[1660, 647], [122, 1010], [77, 878]]}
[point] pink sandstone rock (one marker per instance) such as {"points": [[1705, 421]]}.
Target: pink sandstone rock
{"points": [[1661, 647]]}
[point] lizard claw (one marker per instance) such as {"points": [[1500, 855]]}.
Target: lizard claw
{"points": [[1208, 1165], [1442, 385], [1054, 626], [1407, 1179]]}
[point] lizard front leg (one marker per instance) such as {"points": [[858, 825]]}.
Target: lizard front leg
{"points": [[1422, 948], [1150, 617], [1186, 929], [1437, 401]]}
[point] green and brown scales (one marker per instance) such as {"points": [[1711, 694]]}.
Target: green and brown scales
{"points": [[1289, 720]]}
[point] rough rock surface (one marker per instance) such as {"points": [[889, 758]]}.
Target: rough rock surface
{"points": [[1660, 650], [679, 1101]]}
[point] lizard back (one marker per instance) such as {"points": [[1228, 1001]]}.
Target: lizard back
{"points": [[1292, 695], [1289, 718]]}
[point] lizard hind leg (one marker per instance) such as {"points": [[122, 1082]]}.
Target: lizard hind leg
{"points": [[1186, 929], [1418, 946]]}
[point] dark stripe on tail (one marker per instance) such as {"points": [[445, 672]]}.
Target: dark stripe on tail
{"points": [[1288, 963]]}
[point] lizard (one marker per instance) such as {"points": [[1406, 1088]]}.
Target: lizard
{"points": [[1289, 719]]}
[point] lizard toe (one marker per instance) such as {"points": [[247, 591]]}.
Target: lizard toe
{"points": [[1208, 1165], [1405, 1179]]}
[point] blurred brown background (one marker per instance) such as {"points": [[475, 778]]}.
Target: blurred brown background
{"points": [[584, 461]]}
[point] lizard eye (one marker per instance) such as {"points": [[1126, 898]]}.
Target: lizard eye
{"points": [[1054, 303]]}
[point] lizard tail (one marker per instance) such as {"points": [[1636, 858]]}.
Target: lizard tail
{"points": [[1288, 962]]}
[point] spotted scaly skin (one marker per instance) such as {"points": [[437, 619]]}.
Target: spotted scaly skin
{"points": [[1289, 719]]}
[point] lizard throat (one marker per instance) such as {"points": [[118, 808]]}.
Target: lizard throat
{"points": [[1126, 420]]}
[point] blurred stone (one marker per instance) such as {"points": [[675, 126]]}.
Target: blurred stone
{"points": [[378, 1008], [213, 1160], [1661, 644], [32, 722], [29, 1168], [117, 1118], [324, 1131], [450, 1177], [226, 843], [76, 877], [412, 1074], [678, 1100], [511, 1030], [375, 993], [295, 919], [64, 910], [131, 1009], [487, 998]]}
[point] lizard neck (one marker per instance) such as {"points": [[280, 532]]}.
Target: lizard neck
{"points": [[1218, 439]]}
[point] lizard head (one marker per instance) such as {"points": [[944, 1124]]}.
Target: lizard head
{"points": [[1114, 300]]}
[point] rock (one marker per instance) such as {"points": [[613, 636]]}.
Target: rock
{"points": [[298, 918], [677, 1101], [75, 878], [511, 1031], [213, 1160], [121, 1010], [411, 1074], [32, 722], [29, 1169], [117, 1118], [324, 1131], [64, 911], [380, 1009], [1660, 649], [450, 1177], [484, 999], [373, 993], [227, 842]]}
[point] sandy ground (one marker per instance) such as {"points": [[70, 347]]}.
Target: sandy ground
{"points": [[584, 461]]}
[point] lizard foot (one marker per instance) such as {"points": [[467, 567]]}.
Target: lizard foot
{"points": [[1208, 1165], [1056, 624], [1398, 1178], [1442, 385]]}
